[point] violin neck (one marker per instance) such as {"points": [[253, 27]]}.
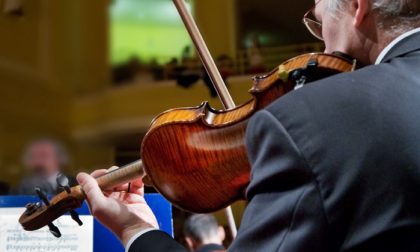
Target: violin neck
{"points": [[121, 176]]}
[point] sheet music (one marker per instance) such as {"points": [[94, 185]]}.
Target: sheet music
{"points": [[74, 237]]}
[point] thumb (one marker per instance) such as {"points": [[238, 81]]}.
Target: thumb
{"points": [[94, 195]]}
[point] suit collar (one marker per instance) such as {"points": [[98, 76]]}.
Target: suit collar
{"points": [[404, 45]]}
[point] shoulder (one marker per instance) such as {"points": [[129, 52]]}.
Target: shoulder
{"points": [[363, 83], [354, 89], [339, 83], [321, 111]]}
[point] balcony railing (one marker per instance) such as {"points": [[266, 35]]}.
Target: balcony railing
{"points": [[273, 56]]}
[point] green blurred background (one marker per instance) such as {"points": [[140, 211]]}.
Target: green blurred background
{"points": [[150, 30]]}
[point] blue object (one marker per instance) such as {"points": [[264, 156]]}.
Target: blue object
{"points": [[103, 239]]}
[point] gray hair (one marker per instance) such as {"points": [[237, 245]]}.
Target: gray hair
{"points": [[201, 227], [395, 14]]}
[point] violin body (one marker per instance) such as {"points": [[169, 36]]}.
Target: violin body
{"points": [[196, 157]]}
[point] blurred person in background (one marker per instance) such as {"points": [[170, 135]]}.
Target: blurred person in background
{"points": [[203, 233], [44, 159], [255, 57]]}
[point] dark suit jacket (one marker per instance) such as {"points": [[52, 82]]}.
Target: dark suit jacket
{"points": [[336, 164], [210, 248]]}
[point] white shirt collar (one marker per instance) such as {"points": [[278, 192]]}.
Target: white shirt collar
{"points": [[388, 48]]}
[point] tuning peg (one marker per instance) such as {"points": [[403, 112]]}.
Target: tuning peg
{"points": [[42, 196], [63, 182], [32, 208], [54, 230], [75, 216]]}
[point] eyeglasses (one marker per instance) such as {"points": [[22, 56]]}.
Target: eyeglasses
{"points": [[313, 25]]}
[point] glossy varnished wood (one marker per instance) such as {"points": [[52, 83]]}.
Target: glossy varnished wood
{"points": [[196, 156], [59, 205]]}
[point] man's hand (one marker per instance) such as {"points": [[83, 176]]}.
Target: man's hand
{"points": [[124, 213]]}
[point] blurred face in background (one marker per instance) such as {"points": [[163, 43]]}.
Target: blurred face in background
{"points": [[42, 159]]}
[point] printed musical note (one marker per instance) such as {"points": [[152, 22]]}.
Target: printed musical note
{"points": [[74, 238]]}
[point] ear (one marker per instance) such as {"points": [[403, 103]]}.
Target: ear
{"points": [[361, 10], [190, 243], [222, 234]]}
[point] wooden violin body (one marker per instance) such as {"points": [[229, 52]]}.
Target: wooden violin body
{"points": [[196, 157]]}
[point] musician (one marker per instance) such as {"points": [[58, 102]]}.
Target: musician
{"points": [[335, 164], [44, 159]]}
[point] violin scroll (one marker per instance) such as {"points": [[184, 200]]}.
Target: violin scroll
{"points": [[38, 215]]}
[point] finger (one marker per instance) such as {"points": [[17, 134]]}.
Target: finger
{"points": [[94, 195], [138, 183], [136, 186], [98, 173], [113, 168], [129, 198]]}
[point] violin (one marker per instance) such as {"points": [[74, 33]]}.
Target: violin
{"points": [[196, 157]]}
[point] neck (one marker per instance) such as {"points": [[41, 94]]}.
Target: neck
{"points": [[384, 39], [376, 48], [211, 241], [371, 38], [195, 245], [370, 45]]}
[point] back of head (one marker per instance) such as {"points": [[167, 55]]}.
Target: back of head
{"points": [[201, 227], [395, 16]]}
